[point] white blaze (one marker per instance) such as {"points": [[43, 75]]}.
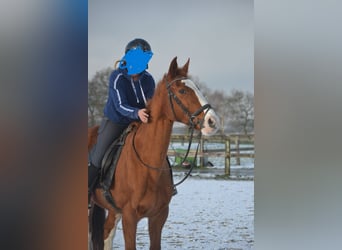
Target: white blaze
{"points": [[211, 120]]}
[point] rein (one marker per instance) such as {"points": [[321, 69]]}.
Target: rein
{"points": [[187, 153], [192, 163], [139, 158], [185, 157], [192, 125]]}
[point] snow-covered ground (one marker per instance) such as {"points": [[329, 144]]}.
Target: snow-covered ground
{"points": [[205, 214]]}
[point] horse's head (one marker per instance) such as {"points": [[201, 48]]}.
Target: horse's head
{"points": [[187, 103]]}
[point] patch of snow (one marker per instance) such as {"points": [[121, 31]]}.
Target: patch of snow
{"points": [[205, 214]]}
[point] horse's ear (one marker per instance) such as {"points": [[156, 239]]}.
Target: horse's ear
{"points": [[186, 67], [173, 68]]}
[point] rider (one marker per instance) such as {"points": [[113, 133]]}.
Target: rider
{"points": [[130, 86]]}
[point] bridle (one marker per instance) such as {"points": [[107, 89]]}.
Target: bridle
{"points": [[191, 117], [192, 125]]}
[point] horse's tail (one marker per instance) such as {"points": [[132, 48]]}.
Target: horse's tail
{"points": [[96, 223]]}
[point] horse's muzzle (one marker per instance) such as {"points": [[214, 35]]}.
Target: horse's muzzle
{"points": [[211, 123]]}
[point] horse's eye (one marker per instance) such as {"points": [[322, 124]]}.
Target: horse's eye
{"points": [[182, 91]]}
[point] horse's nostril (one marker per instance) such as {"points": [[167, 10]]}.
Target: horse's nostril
{"points": [[211, 123]]}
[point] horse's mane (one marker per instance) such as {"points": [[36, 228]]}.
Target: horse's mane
{"points": [[157, 92]]}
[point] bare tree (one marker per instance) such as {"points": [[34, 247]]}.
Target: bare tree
{"points": [[97, 95], [241, 111], [236, 110]]}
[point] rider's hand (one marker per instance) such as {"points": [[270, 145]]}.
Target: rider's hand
{"points": [[143, 115]]}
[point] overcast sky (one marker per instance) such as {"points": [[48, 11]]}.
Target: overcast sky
{"points": [[217, 36]]}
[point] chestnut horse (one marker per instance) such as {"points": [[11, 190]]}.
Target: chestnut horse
{"points": [[142, 185]]}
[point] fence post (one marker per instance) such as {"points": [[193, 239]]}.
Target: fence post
{"points": [[201, 153], [227, 157], [237, 145]]}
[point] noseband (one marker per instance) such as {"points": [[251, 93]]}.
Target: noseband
{"points": [[191, 117]]}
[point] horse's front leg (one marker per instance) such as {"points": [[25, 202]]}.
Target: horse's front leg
{"points": [[155, 227], [129, 226], [110, 229]]}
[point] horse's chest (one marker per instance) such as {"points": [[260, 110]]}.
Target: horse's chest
{"points": [[151, 205]]}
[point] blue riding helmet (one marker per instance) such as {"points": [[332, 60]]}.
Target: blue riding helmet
{"points": [[135, 60]]}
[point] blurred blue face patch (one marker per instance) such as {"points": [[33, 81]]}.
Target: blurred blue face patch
{"points": [[136, 60]]}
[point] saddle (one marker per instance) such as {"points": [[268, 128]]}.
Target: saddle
{"points": [[110, 160]]}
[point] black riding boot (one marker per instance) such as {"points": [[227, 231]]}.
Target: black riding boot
{"points": [[93, 173], [174, 191]]}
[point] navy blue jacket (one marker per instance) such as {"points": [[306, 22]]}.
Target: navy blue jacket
{"points": [[126, 97]]}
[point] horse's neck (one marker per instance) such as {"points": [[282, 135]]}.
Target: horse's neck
{"points": [[155, 136], [154, 139]]}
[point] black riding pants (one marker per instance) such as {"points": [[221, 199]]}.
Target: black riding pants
{"points": [[107, 133]]}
